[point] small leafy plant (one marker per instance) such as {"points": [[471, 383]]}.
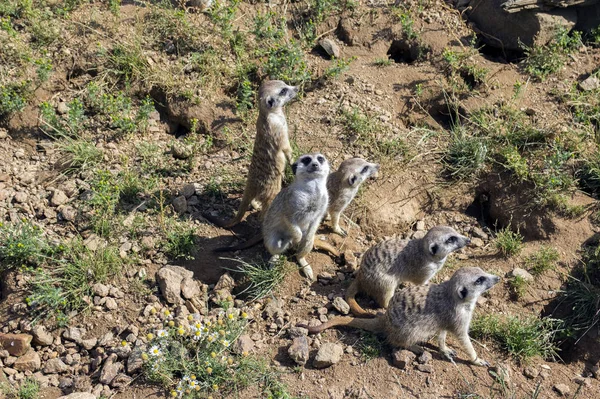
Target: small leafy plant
{"points": [[509, 242], [543, 260]]}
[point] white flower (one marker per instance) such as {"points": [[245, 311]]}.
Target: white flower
{"points": [[162, 333], [225, 342], [155, 351], [185, 378], [193, 384], [198, 326], [197, 335]]}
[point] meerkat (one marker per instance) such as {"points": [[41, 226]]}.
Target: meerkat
{"points": [[390, 262], [418, 313], [343, 185], [297, 211], [271, 151]]}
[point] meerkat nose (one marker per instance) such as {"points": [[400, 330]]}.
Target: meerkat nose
{"points": [[468, 241]]}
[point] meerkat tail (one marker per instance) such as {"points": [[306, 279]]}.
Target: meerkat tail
{"points": [[325, 246], [244, 245], [351, 293], [373, 325], [244, 205]]}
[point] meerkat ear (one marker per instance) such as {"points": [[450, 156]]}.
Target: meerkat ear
{"points": [[294, 167], [352, 180], [433, 248], [463, 292], [270, 102]]}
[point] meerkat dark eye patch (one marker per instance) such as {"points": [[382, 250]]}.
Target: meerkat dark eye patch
{"points": [[283, 91], [463, 292], [270, 102], [451, 240], [352, 179], [306, 161], [480, 280], [364, 170], [433, 249], [294, 167], [320, 159]]}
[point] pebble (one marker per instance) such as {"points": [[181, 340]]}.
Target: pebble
{"points": [[402, 358], [329, 354], [562, 389], [298, 350], [341, 305], [524, 274]]}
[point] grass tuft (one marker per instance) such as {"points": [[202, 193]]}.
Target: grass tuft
{"points": [[543, 260], [508, 242], [261, 277]]}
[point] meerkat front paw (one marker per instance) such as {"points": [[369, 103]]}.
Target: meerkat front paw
{"points": [[449, 353], [480, 362], [340, 231], [308, 272]]}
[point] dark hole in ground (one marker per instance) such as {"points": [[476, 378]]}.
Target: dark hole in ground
{"points": [[406, 51], [480, 209], [496, 54]]}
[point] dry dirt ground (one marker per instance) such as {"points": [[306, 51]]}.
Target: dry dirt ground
{"points": [[409, 195]]}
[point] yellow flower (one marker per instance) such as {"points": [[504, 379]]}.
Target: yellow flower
{"points": [[20, 245], [210, 338], [150, 336], [208, 323], [244, 315], [222, 332], [230, 361], [213, 354], [181, 331], [167, 313], [123, 343], [174, 394], [144, 356], [215, 387], [190, 317], [220, 322], [230, 316], [171, 323], [209, 370], [192, 377], [152, 311], [245, 353]]}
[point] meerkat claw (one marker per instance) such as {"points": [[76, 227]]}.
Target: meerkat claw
{"points": [[308, 272], [340, 231], [449, 354], [480, 362]]}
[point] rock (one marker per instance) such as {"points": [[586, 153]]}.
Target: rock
{"points": [[106, 339], [180, 204], [135, 361], [65, 384], [190, 288], [425, 357], [188, 190], [591, 83], [62, 108], [299, 351], [88, 344], [477, 242], [226, 282], [73, 334], [83, 383], [28, 362], [79, 395], [169, 280], [524, 274], [531, 372], [417, 235], [274, 309], [244, 344], [100, 289], [54, 366], [580, 380], [562, 389], [479, 233], [20, 197], [501, 373], [341, 305], [401, 358], [121, 381], [58, 198], [329, 354], [110, 370], [41, 337], [425, 368], [330, 47], [68, 213], [111, 304], [181, 150], [420, 225], [506, 30], [297, 332], [16, 344]]}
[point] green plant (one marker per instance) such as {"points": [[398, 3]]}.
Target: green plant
{"points": [[522, 338], [370, 346], [21, 243], [383, 62], [338, 68], [518, 286], [466, 155], [222, 14], [68, 126], [28, 389], [542, 61], [509, 242], [542, 260], [126, 63], [581, 300], [13, 98], [180, 240], [260, 278], [285, 61]]}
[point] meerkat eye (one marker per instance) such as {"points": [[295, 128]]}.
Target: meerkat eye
{"points": [[480, 280], [364, 170], [305, 161], [320, 159], [451, 240], [283, 91]]}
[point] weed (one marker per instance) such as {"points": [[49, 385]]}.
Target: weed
{"points": [[106, 195], [28, 389], [44, 67], [462, 72], [222, 14], [518, 286], [582, 301], [125, 63], [172, 31], [13, 98], [285, 61], [466, 155], [69, 126], [541, 261], [81, 154], [383, 62], [545, 60], [523, 338], [339, 67], [509, 242], [261, 278], [21, 243], [180, 240], [370, 346], [266, 26]]}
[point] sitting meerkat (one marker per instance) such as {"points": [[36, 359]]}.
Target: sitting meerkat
{"points": [[297, 211], [418, 313], [343, 184], [271, 151], [391, 262]]}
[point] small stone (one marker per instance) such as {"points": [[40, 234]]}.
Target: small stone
{"points": [[402, 358], [341, 305], [299, 351], [180, 204], [190, 288], [41, 337], [73, 334], [501, 373], [562, 389], [274, 309], [531, 372], [181, 150], [425, 368], [110, 370], [188, 190], [420, 225], [226, 282], [479, 233], [106, 339], [100, 289], [244, 344], [328, 354], [330, 47], [28, 362], [297, 332], [477, 242], [425, 357], [88, 344], [169, 280], [417, 235], [135, 361], [55, 366], [16, 344], [591, 83], [580, 380], [121, 381], [111, 304], [62, 108], [58, 198], [68, 213], [20, 197], [524, 274]]}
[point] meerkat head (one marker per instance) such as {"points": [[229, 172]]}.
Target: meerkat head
{"points": [[442, 240], [470, 282], [311, 166], [275, 94], [357, 170]]}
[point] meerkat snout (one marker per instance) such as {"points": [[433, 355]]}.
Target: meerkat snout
{"points": [[310, 164], [443, 240], [472, 282], [277, 94]]}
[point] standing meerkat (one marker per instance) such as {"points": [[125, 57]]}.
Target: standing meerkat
{"points": [[295, 214], [271, 151], [391, 262], [343, 184], [418, 313]]}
